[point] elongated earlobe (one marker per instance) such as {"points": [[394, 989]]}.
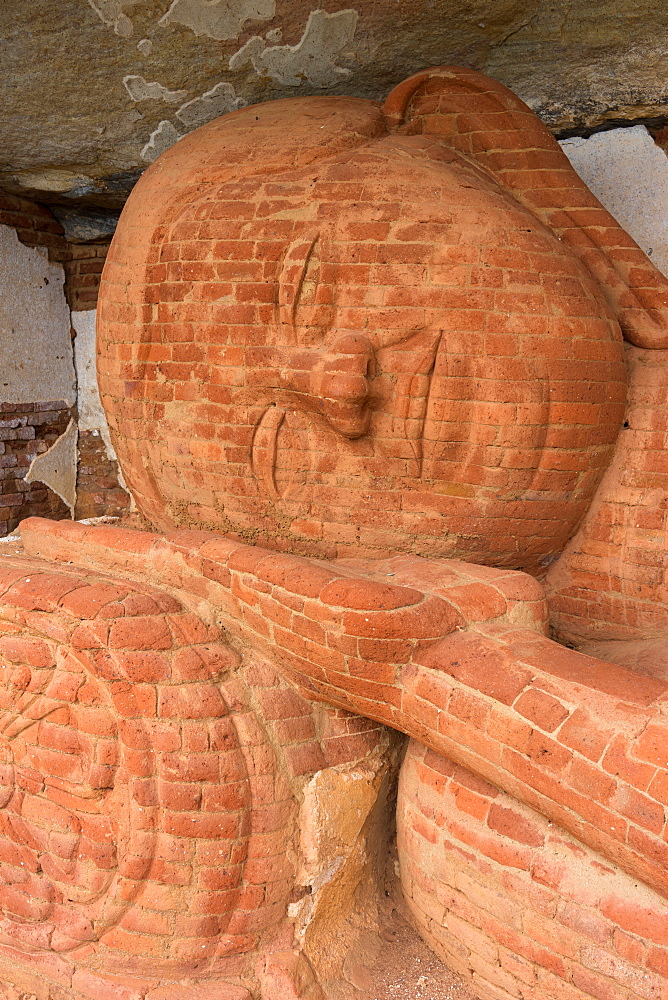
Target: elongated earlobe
{"points": [[491, 126]]}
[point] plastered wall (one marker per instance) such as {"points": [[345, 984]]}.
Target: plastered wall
{"points": [[37, 386], [55, 455], [628, 173], [100, 485], [35, 346]]}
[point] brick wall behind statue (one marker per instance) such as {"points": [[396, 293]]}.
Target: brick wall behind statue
{"points": [[82, 274], [29, 429], [36, 227]]}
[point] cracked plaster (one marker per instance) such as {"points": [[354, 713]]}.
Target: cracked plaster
{"points": [[36, 358], [218, 101], [628, 173], [164, 136], [219, 19], [140, 89], [313, 59], [35, 345], [111, 13]]}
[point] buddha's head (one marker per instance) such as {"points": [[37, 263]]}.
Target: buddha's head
{"points": [[334, 328]]}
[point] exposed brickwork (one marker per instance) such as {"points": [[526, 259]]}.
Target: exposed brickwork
{"points": [[83, 270], [611, 582], [36, 226], [40, 423], [28, 430], [336, 373], [165, 783], [437, 654], [517, 907], [486, 121], [98, 489], [356, 344]]}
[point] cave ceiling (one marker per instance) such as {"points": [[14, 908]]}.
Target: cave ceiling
{"points": [[93, 90]]}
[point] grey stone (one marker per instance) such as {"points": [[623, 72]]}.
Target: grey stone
{"points": [[83, 225], [72, 132]]}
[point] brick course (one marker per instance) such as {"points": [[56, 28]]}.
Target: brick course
{"points": [[290, 357], [36, 226], [27, 430], [543, 918], [520, 780], [83, 270], [185, 861], [331, 377], [98, 490]]}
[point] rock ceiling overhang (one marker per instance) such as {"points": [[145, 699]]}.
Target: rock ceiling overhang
{"points": [[93, 90]]}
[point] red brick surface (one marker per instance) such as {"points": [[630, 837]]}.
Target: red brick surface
{"points": [[28, 429], [341, 367], [150, 784], [611, 582], [356, 343], [533, 732], [83, 270], [99, 492], [515, 905], [36, 226]]}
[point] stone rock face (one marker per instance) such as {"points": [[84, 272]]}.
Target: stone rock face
{"points": [[344, 827], [93, 91]]}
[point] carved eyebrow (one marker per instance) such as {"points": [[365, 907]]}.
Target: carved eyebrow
{"points": [[290, 279]]}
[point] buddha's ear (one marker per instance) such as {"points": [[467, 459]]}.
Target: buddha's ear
{"points": [[491, 126]]}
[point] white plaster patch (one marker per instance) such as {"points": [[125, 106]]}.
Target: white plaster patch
{"points": [[57, 467], [35, 345], [111, 12], [628, 173], [145, 46], [140, 89], [219, 19], [164, 136], [220, 100], [313, 59], [89, 404]]}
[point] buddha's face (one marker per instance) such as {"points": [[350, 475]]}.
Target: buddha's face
{"points": [[381, 352]]}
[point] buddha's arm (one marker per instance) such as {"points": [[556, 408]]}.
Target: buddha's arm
{"points": [[582, 741]]}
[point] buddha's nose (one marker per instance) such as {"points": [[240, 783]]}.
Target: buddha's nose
{"points": [[341, 381], [334, 382]]}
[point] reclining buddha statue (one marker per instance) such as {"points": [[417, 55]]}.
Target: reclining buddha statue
{"points": [[388, 386]]}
